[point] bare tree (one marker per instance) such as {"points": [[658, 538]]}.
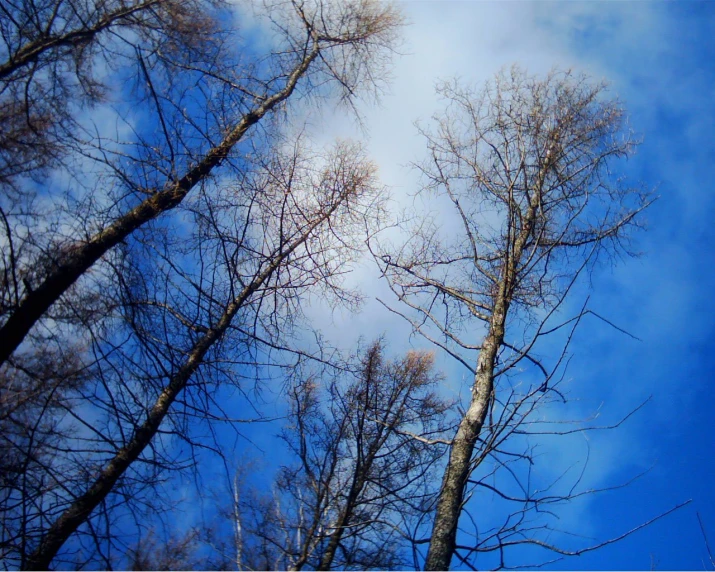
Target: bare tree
{"points": [[291, 227], [193, 549], [110, 311], [527, 166], [176, 554], [51, 34], [201, 105], [365, 450]]}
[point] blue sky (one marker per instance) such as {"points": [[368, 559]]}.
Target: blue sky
{"points": [[658, 58], [667, 81]]}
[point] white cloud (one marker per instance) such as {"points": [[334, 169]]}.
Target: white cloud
{"points": [[472, 41]]}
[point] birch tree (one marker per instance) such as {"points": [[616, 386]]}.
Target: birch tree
{"points": [[528, 166]]}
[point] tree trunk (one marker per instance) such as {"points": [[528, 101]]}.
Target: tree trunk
{"points": [[80, 510], [449, 506], [327, 560]]}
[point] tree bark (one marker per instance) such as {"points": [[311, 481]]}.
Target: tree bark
{"points": [[329, 555], [449, 506]]}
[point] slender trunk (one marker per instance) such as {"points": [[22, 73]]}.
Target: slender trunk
{"points": [[362, 470], [238, 532], [449, 506], [81, 508], [329, 555], [79, 258], [346, 514]]}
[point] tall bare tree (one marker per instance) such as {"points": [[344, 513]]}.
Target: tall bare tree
{"points": [[365, 451], [228, 289], [527, 165], [110, 311], [195, 107]]}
